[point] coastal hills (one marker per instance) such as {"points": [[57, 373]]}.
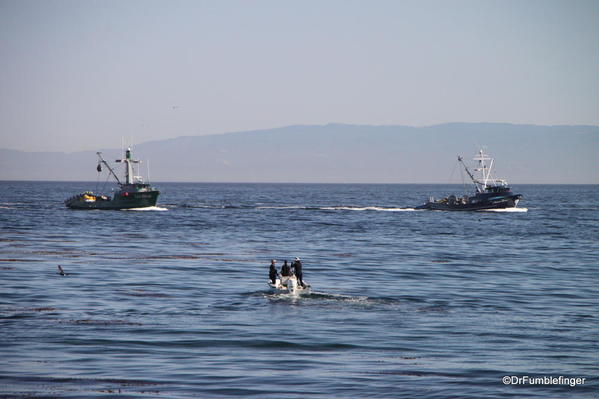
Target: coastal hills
{"points": [[340, 153]]}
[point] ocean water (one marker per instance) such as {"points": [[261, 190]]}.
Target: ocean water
{"points": [[172, 302]]}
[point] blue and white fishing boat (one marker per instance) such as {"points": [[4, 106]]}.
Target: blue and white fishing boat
{"points": [[490, 193]]}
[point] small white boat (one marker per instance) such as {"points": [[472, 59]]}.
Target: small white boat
{"points": [[289, 285]]}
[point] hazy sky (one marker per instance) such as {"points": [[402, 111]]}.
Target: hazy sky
{"points": [[82, 74]]}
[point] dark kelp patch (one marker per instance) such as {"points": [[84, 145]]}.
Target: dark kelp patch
{"points": [[96, 322], [144, 293]]}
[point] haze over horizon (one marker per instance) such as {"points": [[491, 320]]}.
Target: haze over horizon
{"points": [[340, 153], [81, 75]]}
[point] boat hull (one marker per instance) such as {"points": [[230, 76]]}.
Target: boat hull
{"points": [[121, 200], [474, 205], [289, 286]]}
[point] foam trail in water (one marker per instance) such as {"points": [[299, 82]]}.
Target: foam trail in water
{"points": [[149, 208], [282, 207], [366, 208], [317, 295], [338, 208], [300, 207], [512, 210], [341, 297]]}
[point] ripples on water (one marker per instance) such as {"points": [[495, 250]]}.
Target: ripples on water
{"points": [[172, 301]]}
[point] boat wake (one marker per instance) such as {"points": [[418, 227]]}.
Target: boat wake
{"points": [[318, 297], [325, 297], [149, 208], [318, 208], [340, 297], [297, 207], [506, 210], [339, 208], [366, 208], [9, 205]]}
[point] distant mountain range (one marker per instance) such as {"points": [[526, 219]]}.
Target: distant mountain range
{"points": [[338, 153]]}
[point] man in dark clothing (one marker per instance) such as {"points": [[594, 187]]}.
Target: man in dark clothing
{"points": [[285, 270], [297, 267], [272, 274]]}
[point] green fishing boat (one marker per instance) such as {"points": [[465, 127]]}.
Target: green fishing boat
{"points": [[133, 193]]}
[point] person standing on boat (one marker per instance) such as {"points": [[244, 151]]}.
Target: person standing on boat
{"points": [[297, 267], [285, 269], [272, 274]]}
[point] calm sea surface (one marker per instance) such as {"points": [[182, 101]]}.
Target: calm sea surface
{"points": [[173, 302]]}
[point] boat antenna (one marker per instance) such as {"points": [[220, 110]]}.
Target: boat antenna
{"points": [[109, 168], [461, 160]]}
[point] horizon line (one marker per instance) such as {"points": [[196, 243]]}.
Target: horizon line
{"points": [[280, 182]]}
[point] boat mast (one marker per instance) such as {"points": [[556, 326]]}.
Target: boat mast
{"points": [[476, 182], [109, 168], [129, 168], [483, 168]]}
